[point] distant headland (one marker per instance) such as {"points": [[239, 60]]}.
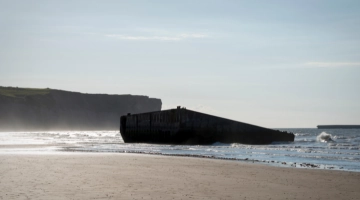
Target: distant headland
{"points": [[337, 126], [31, 109]]}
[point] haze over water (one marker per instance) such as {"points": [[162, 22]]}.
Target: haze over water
{"points": [[321, 148]]}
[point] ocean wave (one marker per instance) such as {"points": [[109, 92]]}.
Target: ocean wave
{"points": [[341, 137], [244, 146], [220, 144], [324, 137], [302, 134], [305, 140], [345, 148]]}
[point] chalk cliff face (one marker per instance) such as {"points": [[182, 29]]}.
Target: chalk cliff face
{"points": [[62, 110]]}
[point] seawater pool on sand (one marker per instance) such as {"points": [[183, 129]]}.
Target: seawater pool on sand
{"points": [[312, 148]]}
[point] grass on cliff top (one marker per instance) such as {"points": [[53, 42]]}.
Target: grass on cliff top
{"points": [[21, 92]]}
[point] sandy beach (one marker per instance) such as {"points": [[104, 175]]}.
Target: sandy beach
{"points": [[132, 176]]}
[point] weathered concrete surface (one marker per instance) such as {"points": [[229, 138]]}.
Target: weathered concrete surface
{"points": [[181, 126]]}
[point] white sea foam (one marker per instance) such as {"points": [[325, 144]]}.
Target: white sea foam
{"points": [[340, 137], [305, 140], [302, 134], [324, 137]]}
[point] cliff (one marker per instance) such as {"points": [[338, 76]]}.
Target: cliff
{"points": [[25, 109]]}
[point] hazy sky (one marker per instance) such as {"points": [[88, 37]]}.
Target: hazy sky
{"points": [[270, 63]]}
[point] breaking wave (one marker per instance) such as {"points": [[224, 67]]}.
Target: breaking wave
{"points": [[324, 137]]}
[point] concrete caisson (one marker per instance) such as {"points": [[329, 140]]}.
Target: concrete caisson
{"points": [[182, 126]]}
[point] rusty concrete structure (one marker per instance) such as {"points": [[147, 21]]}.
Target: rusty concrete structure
{"points": [[182, 126]]}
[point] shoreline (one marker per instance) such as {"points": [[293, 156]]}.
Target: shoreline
{"points": [[61, 148], [305, 152], [246, 160], [135, 176]]}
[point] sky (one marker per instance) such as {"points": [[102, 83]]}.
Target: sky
{"points": [[277, 64]]}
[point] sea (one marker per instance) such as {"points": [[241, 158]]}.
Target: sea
{"points": [[330, 149]]}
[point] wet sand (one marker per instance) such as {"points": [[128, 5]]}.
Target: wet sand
{"points": [[132, 176]]}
